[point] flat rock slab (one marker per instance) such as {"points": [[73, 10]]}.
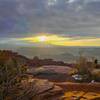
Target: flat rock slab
{"points": [[53, 94], [80, 95], [40, 86]]}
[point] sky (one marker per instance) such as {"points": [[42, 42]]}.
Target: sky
{"points": [[69, 22]]}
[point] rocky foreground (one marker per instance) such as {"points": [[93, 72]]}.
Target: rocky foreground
{"points": [[80, 91], [81, 95], [37, 89]]}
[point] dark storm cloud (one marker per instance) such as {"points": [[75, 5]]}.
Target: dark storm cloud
{"points": [[65, 17]]}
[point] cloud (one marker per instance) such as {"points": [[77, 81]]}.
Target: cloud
{"points": [[71, 1], [68, 17]]}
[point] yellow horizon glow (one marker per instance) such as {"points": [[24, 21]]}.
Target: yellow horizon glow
{"points": [[62, 41]]}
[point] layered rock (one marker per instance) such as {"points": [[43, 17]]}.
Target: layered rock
{"points": [[45, 89], [36, 89]]}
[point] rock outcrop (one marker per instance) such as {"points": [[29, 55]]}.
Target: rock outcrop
{"points": [[45, 89], [36, 89]]}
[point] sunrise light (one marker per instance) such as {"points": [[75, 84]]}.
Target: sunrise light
{"points": [[42, 38], [62, 41]]}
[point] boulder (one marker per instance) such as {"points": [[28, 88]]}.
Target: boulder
{"points": [[44, 89]]}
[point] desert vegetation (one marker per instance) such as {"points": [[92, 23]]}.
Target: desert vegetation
{"points": [[11, 73], [88, 70]]}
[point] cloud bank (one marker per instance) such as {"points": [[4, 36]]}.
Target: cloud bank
{"points": [[69, 18]]}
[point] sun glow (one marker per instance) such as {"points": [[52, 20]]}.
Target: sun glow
{"points": [[42, 38], [62, 41]]}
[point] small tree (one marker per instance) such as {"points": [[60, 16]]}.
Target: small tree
{"points": [[82, 65], [83, 68]]}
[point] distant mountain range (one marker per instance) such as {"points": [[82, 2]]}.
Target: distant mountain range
{"points": [[68, 54], [7, 55]]}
